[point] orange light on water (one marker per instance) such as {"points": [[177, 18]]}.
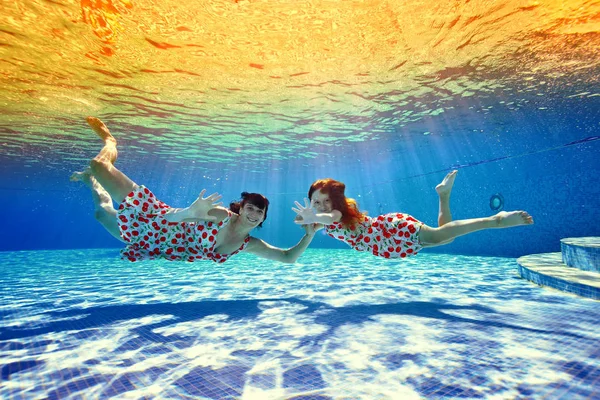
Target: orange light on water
{"points": [[338, 71]]}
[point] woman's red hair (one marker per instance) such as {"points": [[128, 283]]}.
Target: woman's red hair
{"points": [[336, 192]]}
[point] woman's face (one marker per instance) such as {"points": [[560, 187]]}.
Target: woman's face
{"points": [[252, 215], [321, 202]]}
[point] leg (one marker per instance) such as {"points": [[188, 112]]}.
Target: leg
{"points": [[435, 236], [104, 211], [116, 183], [444, 189]]}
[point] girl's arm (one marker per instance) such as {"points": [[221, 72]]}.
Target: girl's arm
{"points": [[263, 249], [203, 209]]}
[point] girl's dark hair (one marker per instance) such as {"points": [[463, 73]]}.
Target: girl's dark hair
{"points": [[255, 199]]}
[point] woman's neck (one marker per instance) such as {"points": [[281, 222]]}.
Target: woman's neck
{"points": [[238, 227]]}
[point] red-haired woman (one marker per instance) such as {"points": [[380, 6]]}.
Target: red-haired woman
{"points": [[394, 235], [151, 229]]}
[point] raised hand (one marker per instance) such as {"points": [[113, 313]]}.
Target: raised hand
{"points": [[199, 209], [305, 214]]}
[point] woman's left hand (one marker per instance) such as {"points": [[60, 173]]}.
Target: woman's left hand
{"points": [[200, 208]]}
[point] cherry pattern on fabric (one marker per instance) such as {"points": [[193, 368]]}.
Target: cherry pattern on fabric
{"points": [[149, 235], [393, 235]]}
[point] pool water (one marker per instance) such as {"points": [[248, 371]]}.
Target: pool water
{"points": [[267, 97], [336, 325]]}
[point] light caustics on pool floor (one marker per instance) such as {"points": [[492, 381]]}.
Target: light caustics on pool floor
{"points": [[336, 325]]}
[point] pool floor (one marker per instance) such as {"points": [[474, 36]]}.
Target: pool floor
{"points": [[336, 325]]}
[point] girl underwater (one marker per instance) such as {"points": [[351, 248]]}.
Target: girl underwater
{"points": [[393, 235]]}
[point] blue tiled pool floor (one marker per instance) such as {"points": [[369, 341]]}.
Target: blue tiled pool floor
{"points": [[336, 325]]}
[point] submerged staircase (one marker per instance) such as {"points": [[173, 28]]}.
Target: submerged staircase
{"points": [[576, 269]]}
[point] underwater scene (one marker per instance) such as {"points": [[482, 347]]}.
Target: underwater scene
{"points": [[465, 131]]}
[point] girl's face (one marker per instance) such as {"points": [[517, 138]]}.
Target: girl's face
{"points": [[321, 202], [252, 215]]}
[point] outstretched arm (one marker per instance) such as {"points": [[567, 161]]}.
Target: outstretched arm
{"points": [[203, 209], [262, 249]]}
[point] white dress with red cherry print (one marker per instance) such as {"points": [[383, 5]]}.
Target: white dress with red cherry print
{"points": [[149, 235], [393, 235]]}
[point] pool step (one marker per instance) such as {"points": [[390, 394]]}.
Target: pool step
{"points": [[576, 269], [582, 253]]}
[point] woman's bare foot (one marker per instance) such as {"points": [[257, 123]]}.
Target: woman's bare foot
{"points": [[506, 219], [445, 187], [109, 151], [83, 176], [101, 130]]}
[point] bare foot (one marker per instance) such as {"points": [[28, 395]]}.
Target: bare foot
{"points": [[101, 130], [83, 176], [506, 219], [445, 187]]}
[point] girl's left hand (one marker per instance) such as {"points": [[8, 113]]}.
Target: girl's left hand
{"points": [[305, 215]]}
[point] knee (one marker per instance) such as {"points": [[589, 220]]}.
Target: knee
{"points": [[97, 165]]}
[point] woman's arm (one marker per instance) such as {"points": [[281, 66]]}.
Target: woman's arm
{"points": [[203, 209], [263, 249], [217, 214]]}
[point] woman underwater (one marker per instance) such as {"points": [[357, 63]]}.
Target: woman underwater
{"points": [[151, 229]]}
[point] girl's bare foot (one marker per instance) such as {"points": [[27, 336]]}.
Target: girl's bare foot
{"points": [[101, 130], [506, 219], [445, 187]]}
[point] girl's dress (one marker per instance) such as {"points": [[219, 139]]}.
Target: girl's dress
{"points": [[393, 235]]}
